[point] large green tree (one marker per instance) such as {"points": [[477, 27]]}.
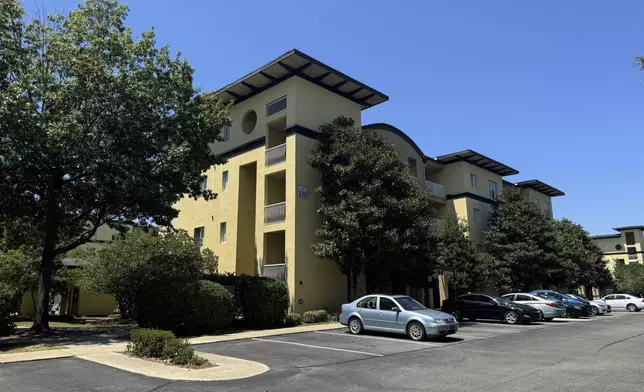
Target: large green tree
{"points": [[374, 219], [629, 278], [96, 127], [456, 254], [522, 244]]}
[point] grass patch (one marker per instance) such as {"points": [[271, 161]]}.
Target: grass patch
{"points": [[82, 323], [26, 348]]}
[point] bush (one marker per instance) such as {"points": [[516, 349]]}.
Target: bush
{"points": [[9, 305], [149, 342], [178, 351], [263, 301], [315, 316], [293, 319], [184, 307]]}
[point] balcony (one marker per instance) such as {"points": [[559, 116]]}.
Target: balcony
{"points": [[434, 189], [275, 271], [275, 213], [632, 256], [275, 155]]}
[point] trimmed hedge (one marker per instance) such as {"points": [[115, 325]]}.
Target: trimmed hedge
{"points": [[315, 316], [184, 307], [293, 320], [262, 301]]}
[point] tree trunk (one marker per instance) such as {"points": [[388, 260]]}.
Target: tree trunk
{"points": [[41, 319]]}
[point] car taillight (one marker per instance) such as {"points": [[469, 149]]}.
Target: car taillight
{"points": [[340, 309], [552, 305]]}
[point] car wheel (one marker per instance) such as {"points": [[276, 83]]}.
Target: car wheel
{"points": [[355, 326], [631, 307], [549, 318], [457, 315], [511, 317], [416, 331], [595, 310]]}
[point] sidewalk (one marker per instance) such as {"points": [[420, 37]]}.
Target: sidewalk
{"points": [[82, 348]]}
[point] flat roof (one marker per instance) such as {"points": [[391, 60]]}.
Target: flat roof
{"points": [[628, 228], [602, 236], [296, 63], [476, 159], [540, 187]]}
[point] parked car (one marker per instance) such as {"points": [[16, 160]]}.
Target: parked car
{"points": [[574, 307], [629, 302], [549, 307], [598, 307], [483, 306], [397, 314]]}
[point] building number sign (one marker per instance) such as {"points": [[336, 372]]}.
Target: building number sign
{"points": [[302, 191]]}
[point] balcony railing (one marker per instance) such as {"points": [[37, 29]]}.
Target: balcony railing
{"points": [[275, 213], [275, 271], [276, 155], [632, 256], [435, 189], [438, 225]]}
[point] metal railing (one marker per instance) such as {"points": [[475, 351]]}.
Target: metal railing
{"points": [[435, 189], [275, 213], [275, 271], [275, 155]]}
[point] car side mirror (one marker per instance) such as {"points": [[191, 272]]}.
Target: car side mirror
{"points": [[395, 309]]}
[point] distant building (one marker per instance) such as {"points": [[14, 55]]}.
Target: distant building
{"points": [[623, 247]]}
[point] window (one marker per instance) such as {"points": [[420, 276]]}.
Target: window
{"points": [[509, 297], [620, 297], [468, 297], [249, 121], [485, 298], [222, 232], [546, 208], [412, 167], [479, 247], [198, 235], [387, 304], [224, 180], [609, 297], [521, 297], [630, 238], [204, 183], [276, 106], [226, 133], [477, 215], [535, 201], [493, 193], [408, 303], [368, 303], [473, 180]]}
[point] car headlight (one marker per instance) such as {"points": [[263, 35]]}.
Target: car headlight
{"points": [[577, 307]]}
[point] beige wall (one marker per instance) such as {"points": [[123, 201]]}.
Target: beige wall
{"points": [[530, 195], [315, 106], [406, 151], [611, 254]]}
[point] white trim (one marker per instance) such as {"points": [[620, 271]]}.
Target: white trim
{"points": [[401, 340], [321, 347]]}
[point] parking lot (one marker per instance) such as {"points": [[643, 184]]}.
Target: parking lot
{"points": [[598, 354]]}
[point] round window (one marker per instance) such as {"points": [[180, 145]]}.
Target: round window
{"points": [[249, 121], [618, 247]]}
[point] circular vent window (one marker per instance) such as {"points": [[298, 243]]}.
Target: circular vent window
{"points": [[618, 247], [249, 121]]}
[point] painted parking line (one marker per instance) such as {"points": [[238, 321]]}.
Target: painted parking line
{"points": [[320, 347], [429, 344]]}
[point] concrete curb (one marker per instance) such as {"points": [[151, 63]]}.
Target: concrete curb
{"points": [[264, 333], [226, 368]]}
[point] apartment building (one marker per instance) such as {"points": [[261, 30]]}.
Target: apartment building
{"points": [[625, 246], [263, 221]]}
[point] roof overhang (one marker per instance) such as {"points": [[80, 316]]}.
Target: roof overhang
{"points": [[540, 187], [480, 160], [296, 63], [628, 228], [605, 236]]}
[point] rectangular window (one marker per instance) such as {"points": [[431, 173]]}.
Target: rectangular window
{"points": [[226, 133], [493, 193], [198, 235], [546, 209], [477, 215], [479, 248], [535, 201], [222, 232], [412, 167], [224, 180], [276, 106], [473, 180], [630, 238], [204, 183]]}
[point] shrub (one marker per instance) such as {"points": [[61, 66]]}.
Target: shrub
{"points": [[293, 319], [315, 316], [263, 301], [184, 307], [149, 342], [9, 305], [178, 351]]}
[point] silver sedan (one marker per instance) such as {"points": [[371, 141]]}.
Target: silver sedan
{"points": [[550, 308], [397, 314]]}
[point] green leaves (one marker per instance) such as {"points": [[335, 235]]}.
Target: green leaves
{"points": [[629, 278], [374, 220], [455, 254]]}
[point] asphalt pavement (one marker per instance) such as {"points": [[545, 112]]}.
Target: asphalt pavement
{"points": [[604, 353]]}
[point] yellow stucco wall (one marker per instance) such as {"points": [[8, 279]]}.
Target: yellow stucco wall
{"points": [[406, 151], [95, 304], [538, 198], [612, 254], [315, 106]]}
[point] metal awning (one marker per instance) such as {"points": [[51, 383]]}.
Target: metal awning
{"points": [[540, 187], [296, 63], [480, 160]]}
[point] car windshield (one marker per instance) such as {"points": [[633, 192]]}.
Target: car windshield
{"points": [[501, 300], [408, 303]]}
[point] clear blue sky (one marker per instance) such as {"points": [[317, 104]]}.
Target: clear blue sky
{"points": [[548, 88]]}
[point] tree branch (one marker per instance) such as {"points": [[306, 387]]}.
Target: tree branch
{"points": [[83, 238]]}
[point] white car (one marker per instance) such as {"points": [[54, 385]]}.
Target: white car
{"points": [[624, 301]]}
